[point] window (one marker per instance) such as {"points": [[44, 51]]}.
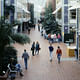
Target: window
{"points": [[73, 14]]}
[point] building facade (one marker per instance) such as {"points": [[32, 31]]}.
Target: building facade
{"points": [[22, 14], [31, 10], [65, 17], [53, 2]]}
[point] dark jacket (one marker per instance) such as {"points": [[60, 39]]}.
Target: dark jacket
{"points": [[51, 48]]}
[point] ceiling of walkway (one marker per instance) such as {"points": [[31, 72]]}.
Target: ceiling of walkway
{"points": [[38, 4]]}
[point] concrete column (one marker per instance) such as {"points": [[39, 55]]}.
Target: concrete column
{"points": [[77, 13], [2, 7], [15, 14], [65, 28], [11, 13]]}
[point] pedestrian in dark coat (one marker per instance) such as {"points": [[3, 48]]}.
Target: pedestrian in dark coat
{"points": [[37, 47], [33, 48]]}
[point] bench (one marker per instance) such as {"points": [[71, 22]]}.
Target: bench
{"points": [[5, 76]]}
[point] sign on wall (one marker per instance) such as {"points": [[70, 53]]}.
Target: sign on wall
{"points": [[69, 38]]}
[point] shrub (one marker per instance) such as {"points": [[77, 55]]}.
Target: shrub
{"points": [[9, 52], [21, 38]]}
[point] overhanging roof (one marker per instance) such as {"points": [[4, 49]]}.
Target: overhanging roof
{"points": [[57, 10], [75, 6]]}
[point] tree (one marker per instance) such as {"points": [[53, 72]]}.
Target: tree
{"points": [[50, 25], [6, 38]]}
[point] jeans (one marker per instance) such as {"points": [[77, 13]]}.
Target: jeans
{"points": [[50, 55], [33, 52], [25, 62], [58, 56], [37, 51]]}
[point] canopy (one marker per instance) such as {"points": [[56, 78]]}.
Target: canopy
{"points": [[74, 6], [57, 10]]}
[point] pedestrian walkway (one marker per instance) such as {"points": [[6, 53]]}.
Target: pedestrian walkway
{"points": [[40, 68]]}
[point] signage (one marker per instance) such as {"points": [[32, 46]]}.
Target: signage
{"points": [[68, 38]]}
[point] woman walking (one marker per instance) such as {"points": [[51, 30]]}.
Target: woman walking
{"points": [[37, 47]]}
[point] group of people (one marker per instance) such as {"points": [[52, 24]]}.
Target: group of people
{"points": [[58, 52], [35, 48], [54, 38]]}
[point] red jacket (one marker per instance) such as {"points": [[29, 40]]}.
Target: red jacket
{"points": [[59, 51]]}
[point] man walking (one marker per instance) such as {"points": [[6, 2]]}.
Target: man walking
{"points": [[26, 57], [59, 54], [51, 51]]}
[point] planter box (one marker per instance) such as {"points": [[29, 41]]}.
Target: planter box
{"points": [[71, 51]]}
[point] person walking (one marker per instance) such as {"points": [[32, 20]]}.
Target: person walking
{"points": [[59, 54], [33, 48], [38, 25], [51, 51], [59, 37], [37, 47], [29, 30], [26, 57]]}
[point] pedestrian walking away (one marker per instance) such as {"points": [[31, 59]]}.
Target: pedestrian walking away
{"points": [[51, 51], [25, 55], [29, 30], [59, 37], [37, 47], [59, 54], [33, 48]]}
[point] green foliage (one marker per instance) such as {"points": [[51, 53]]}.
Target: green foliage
{"points": [[9, 52], [21, 38], [5, 33], [6, 38], [49, 23]]}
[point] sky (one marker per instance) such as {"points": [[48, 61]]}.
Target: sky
{"points": [[38, 4]]}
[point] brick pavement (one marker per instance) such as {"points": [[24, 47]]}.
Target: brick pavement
{"points": [[39, 66]]}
